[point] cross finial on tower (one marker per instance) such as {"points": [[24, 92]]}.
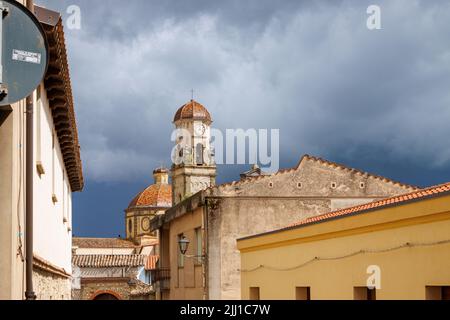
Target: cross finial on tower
{"points": [[192, 92]]}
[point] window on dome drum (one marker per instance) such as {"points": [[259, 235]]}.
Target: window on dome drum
{"points": [[364, 293], [130, 227], [438, 293], [302, 293], [199, 154]]}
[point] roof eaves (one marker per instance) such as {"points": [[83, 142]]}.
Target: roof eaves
{"points": [[59, 92], [334, 216]]}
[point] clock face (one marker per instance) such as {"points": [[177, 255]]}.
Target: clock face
{"points": [[200, 129]]}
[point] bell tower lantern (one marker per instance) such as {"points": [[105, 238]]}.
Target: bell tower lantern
{"points": [[194, 167]]}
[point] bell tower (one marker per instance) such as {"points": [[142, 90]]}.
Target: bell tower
{"points": [[194, 167]]}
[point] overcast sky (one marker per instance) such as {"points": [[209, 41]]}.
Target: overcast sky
{"points": [[378, 100]]}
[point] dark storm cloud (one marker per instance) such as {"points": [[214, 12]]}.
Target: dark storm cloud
{"points": [[122, 20], [312, 69]]}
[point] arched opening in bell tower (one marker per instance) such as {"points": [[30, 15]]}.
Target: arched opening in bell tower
{"points": [[199, 154]]}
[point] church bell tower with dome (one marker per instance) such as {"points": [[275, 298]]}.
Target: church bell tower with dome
{"points": [[194, 168]]}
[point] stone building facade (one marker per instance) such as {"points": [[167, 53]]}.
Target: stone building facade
{"points": [[51, 286], [112, 269], [118, 289], [50, 282], [214, 218], [111, 277]]}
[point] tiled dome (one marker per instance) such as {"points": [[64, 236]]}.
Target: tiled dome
{"points": [[192, 110], [156, 195]]}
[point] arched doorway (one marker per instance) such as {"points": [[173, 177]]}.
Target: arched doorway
{"points": [[106, 295]]}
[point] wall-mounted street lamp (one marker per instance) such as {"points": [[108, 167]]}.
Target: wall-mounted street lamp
{"points": [[183, 244]]}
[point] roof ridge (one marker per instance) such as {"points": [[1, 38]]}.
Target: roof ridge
{"points": [[402, 198], [252, 179], [100, 238], [111, 255], [103, 243], [366, 173], [109, 260], [312, 158]]}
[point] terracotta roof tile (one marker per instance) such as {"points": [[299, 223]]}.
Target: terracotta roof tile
{"points": [[397, 200], [102, 243], [192, 110], [41, 263], [108, 261], [151, 262], [156, 195]]}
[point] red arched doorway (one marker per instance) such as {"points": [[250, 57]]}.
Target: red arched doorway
{"points": [[106, 295]]}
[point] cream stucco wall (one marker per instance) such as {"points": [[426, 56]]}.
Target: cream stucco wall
{"points": [[405, 273], [52, 221], [12, 226]]}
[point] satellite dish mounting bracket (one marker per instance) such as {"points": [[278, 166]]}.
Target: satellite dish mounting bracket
{"points": [[3, 88]]}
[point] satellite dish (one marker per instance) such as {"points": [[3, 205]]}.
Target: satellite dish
{"points": [[23, 52]]}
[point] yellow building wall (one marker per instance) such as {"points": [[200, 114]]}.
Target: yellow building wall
{"points": [[405, 273], [185, 283]]}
